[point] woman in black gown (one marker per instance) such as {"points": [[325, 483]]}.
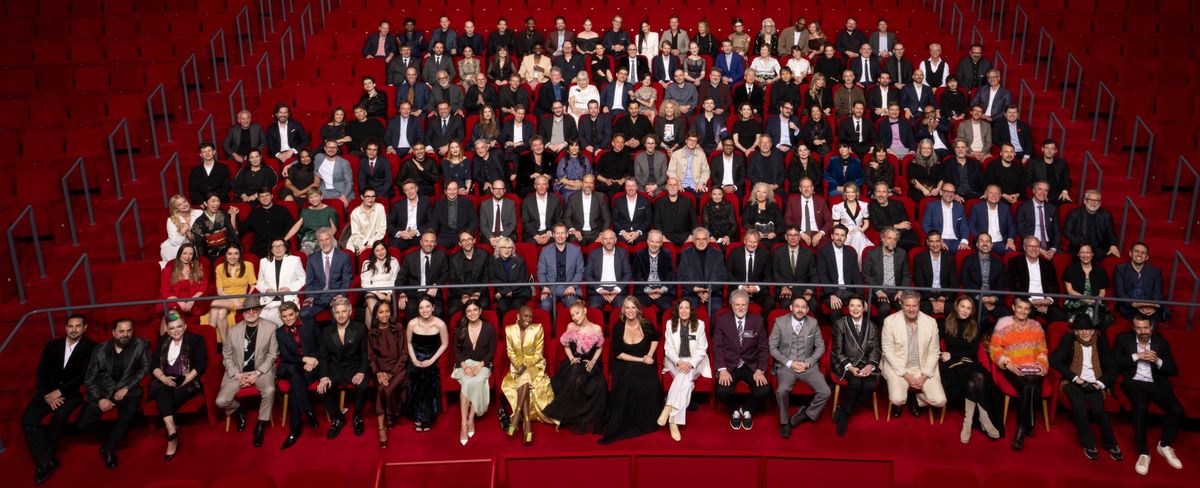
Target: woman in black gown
{"points": [[636, 398], [962, 375], [580, 390], [427, 341]]}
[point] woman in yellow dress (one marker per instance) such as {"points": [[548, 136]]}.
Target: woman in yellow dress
{"points": [[234, 277], [526, 385]]}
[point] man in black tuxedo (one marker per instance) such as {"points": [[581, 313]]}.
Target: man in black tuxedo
{"points": [[208, 177], [452, 214], [407, 217], [631, 214], [702, 263], [748, 91], [285, 148], [114, 381], [857, 131], [934, 268], [60, 373], [1034, 275], [653, 263], [751, 263], [539, 211], [793, 263], [374, 171], [299, 344], [426, 267], [972, 276], [443, 128], [1146, 363], [741, 354], [837, 266]]}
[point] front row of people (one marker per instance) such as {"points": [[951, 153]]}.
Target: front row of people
{"points": [[921, 363]]}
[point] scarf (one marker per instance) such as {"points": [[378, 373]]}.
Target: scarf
{"points": [[1077, 358]]}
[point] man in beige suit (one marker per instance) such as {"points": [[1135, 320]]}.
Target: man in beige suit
{"points": [[689, 165], [978, 134], [910, 356], [249, 357]]}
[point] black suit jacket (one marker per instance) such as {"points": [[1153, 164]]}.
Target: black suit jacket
{"points": [[873, 66], [435, 137], [1001, 136], [546, 127], [827, 271], [805, 272], [507, 133], [656, 68], [640, 263], [297, 137], [597, 134], [99, 380], [754, 97], [1064, 354], [736, 264], [529, 213], [52, 375], [1074, 229], [643, 67], [438, 273], [875, 97], [922, 274], [1027, 222], [380, 179], [716, 167], [440, 220], [545, 98], [340, 360], [971, 275], [847, 134], [1018, 275], [691, 270], [201, 183], [290, 358], [639, 221], [398, 216], [233, 138], [197, 356], [1125, 346]]}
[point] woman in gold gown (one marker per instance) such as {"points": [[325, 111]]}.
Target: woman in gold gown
{"points": [[526, 385]]}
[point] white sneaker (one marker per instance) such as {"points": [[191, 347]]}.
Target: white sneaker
{"points": [[1143, 465], [1169, 453]]}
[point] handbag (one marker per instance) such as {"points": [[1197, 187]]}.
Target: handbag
{"points": [[504, 418]]}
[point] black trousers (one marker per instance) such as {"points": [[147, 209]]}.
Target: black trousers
{"points": [[127, 409], [664, 302], [506, 303], [298, 383], [43, 441], [414, 298], [169, 399], [1141, 394], [455, 303], [330, 398], [758, 394], [855, 390], [1088, 403], [1029, 393], [883, 308]]}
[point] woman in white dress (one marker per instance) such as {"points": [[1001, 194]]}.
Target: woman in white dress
{"points": [[799, 65], [684, 364], [378, 272], [368, 223], [765, 66], [580, 94], [852, 213], [646, 41], [179, 228], [278, 272]]}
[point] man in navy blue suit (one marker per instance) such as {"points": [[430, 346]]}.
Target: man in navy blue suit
{"points": [[298, 348], [784, 128], [994, 217], [328, 269], [380, 45], [956, 235], [730, 64]]}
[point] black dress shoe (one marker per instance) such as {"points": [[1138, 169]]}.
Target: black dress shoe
{"points": [[800, 418], [1018, 441], [291, 439], [914, 409], [359, 428], [843, 421], [110, 458], [260, 428], [311, 418], [335, 428], [239, 419], [896, 411], [785, 431], [42, 473], [172, 437]]}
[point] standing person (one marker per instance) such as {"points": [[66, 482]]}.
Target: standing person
{"points": [[962, 374], [1087, 368], [182, 360], [113, 381], [387, 351], [343, 362], [299, 345], [1146, 364], [909, 342], [249, 356], [579, 385], [427, 341], [854, 359], [526, 386], [1018, 348], [474, 351], [685, 347], [797, 346], [60, 373], [740, 350], [636, 396]]}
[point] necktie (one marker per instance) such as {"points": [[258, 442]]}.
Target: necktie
{"points": [[371, 166], [409, 97], [425, 272], [328, 262], [749, 265], [741, 327], [444, 122], [858, 129], [1042, 227], [437, 60], [806, 216], [866, 72], [496, 227], [793, 258]]}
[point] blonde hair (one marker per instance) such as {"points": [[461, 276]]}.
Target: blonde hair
{"points": [[673, 110], [179, 220]]}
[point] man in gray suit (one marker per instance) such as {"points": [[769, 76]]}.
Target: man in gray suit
{"points": [[437, 61], [247, 135], [796, 346], [587, 213], [444, 91], [249, 357], [341, 186], [497, 216], [549, 271], [886, 266], [609, 265], [994, 98]]}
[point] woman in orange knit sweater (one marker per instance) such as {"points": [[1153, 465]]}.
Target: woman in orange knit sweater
{"points": [[1018, 348]]}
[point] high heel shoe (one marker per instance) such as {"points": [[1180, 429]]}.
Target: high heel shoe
{"points": [[172, 438], [529, 437], [383, 439], [675, 432]]}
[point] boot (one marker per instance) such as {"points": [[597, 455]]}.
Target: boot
{"points": [[986, 422], [967, 421]]}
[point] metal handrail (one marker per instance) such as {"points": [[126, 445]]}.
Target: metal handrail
{"points": [[162, 178], [266, 9], [224, 58], [1024, 88], [1043, 34], [286, 51], [306, 26], [112, 152], [243, 34], [266, 57], [1020, 14], [1179, 258], [209, 122], [1078, 85], [956, 13], [977, 7], [286, 6], [1101, 89], [187, 102], [137, 225], [87, 199], [976, 34], [239, 90], [1062, 132], [87, 274], [37, 249], [1138, 123], [996, 22], [1089, 161], [161, 92], [1000, 61], [1125, 220], [1187, 227]]}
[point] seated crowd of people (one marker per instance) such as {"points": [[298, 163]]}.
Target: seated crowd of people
{"points": [[681, 160]]}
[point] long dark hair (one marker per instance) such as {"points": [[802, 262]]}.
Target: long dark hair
{"points": [[369, 264], [391, 323], [970, 328], [460, 329], [692, 322], [241, 262]]}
